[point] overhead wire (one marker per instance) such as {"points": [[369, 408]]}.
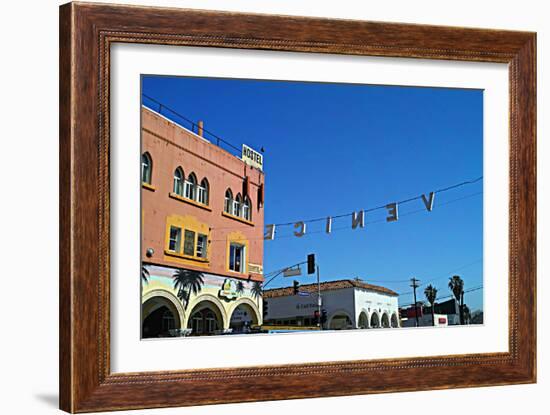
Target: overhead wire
{"points": [[447, 296], [401, 202], [347, 227]]}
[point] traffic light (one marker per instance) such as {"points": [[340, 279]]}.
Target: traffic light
{"points": [[265, 304], [316, 316], [296, 287], [311, 264], [323, 316]]}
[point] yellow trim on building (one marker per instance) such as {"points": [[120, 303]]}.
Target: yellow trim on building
{"points": [[237, 218], [190, 223], [183, 256], [148, 186], [190, 201], [239, 238]]}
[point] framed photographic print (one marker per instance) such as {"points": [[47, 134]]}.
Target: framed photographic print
{"points": [[314, 207]]}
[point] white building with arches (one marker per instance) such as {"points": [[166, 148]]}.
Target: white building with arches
{"points": [[349, 304]]}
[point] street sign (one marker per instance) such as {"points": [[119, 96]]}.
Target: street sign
{"points": [[292, 272]]}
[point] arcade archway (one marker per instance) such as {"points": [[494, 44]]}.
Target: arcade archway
{"points": [[340, 321], [375, 321], [160, 315], [363, 321], [243, 317], [385, 321], [205, 319]]}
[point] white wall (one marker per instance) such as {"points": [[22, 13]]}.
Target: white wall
{"points": [[373, 302], [296, 305], [29, 202], [348, 301]]}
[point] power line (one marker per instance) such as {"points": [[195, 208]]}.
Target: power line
{"points": [[454, 186], [448, 296], [345, 227], [411, 199], [447, 276], [408, 279]]}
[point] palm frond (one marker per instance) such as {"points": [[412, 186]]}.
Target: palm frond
{"points": [[456, 285], [187, 281], [431, 294], [257, 289], [145, 274]]}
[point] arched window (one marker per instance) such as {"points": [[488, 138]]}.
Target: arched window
{"points": [[178, 181], [146, 168], [202, 192], [228, 205], [237, 203], [190, 187], [247, 212]]}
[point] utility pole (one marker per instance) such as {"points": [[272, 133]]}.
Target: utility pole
{"points": [[319, 301], [461, 308], [415, 284]]}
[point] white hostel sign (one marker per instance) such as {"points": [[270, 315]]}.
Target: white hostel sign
{"points": [[252, 158]]}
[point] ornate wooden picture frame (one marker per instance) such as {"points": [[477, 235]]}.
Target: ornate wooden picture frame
{"points": [[87, 32]]}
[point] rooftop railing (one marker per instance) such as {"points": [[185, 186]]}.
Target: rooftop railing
{"points": [[187, 123]]}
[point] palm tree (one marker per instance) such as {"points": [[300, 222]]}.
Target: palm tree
{"points": [[240, 287], [144, 274], [187, 281], [456, 285], [431, 294], [257, 290]]}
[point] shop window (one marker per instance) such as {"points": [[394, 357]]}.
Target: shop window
{"points": [[237, 257], [189, 243], [202, 241], [210, 322], [168, 321], [174, 244]]}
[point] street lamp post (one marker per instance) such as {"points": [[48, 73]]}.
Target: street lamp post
{"points": [[319, 300]]}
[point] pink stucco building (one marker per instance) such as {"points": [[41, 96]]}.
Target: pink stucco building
{"points": [[202, 210]]}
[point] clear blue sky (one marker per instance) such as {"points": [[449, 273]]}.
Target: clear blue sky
{"points": [[336, 148]]}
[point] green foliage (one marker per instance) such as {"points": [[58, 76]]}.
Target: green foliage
{"points": [[431, 294], [456, 285]]}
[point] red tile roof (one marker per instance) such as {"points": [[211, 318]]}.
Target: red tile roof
{"points": [[327, 286]]}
